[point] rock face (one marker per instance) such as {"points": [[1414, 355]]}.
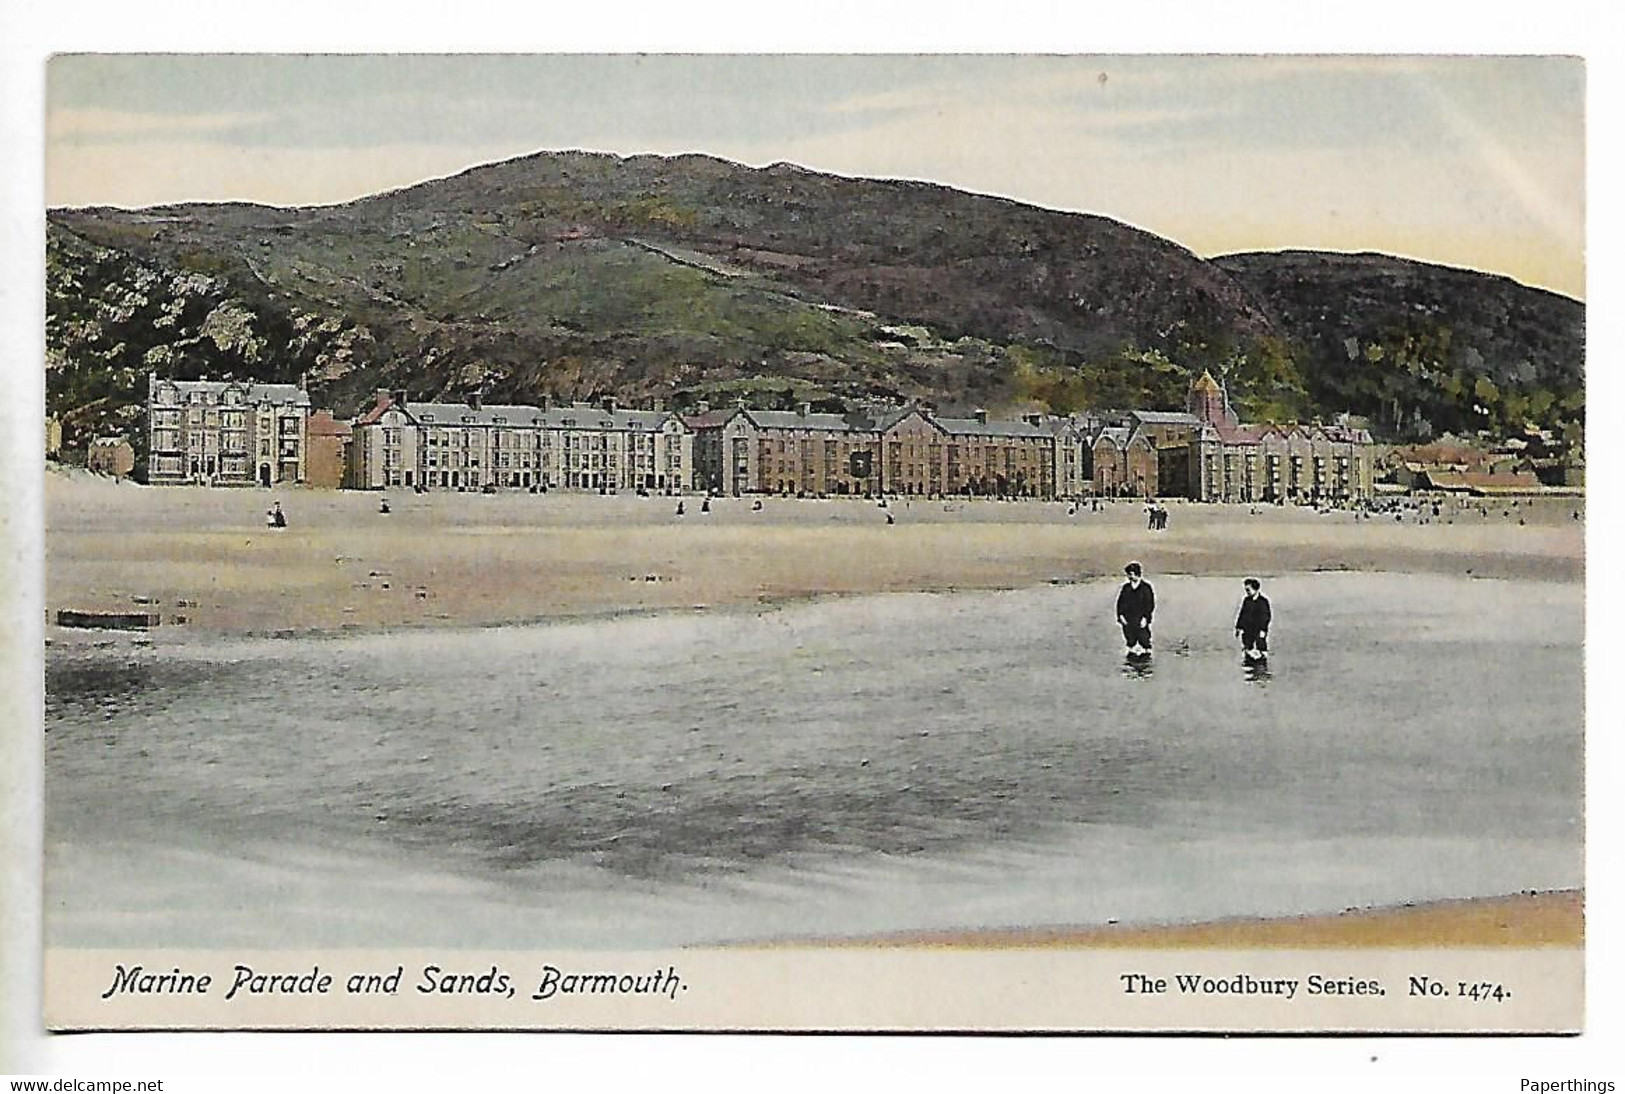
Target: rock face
{"points": [[1409, 342], [688, 278]]}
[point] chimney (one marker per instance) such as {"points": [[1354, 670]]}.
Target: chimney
{"points": [[980, 414], [703, 406], [658, 406], [397, 397], [1034, 419], [609, 403], [547, 402], [803, 409], [475, 400]]}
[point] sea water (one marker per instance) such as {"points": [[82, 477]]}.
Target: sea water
{"points": [[834, 768]]}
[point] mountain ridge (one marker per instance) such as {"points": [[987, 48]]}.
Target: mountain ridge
{"points": [[692, 277]]}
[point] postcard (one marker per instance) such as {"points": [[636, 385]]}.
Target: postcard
{"points": [[815, 543]]}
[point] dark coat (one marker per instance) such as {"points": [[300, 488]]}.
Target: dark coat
{"points": [[1254, 617], [1136, 604]]}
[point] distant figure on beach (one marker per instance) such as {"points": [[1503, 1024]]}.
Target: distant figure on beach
{"points": [[274, 517], [1253, 621], [383, 505], [890, 519], [705, 504], [756, 506], [679, 508], [1135, 604], [1150, 518]]}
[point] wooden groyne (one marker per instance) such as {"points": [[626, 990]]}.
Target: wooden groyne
{"points": [[108, 621]]}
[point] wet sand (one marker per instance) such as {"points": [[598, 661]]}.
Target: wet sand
{"points": [[205, 560], [1520, 921]]}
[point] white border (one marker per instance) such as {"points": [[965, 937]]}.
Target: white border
{"points": [[28, 33]]}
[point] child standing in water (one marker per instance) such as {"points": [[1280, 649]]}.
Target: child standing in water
{"points": [[1135, 605], [1253, 621]]}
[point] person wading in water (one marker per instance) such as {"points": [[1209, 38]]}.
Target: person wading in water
{"points": [[1135, 605], [1253, 622]]}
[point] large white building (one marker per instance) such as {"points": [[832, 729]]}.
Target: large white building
{"points": [[474, 445], [225, 432]]}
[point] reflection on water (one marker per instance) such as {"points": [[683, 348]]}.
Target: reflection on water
{"points": [[938, 728], [1137, 666], [1257, 670]]}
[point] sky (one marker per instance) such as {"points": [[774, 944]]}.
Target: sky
{"points": [[1475, 161]]}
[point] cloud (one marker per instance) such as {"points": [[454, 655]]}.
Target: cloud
{"points": [[100, 126], [1210, 151]]}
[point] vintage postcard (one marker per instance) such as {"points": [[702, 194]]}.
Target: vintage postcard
{"points": [[774, 542]]}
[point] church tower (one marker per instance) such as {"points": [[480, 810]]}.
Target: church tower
{"points": [[1209, 402]]}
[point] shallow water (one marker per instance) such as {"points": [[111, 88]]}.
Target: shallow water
{"points": [[875, 763]]}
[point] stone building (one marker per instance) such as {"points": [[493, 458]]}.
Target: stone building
{"points": [[478, 446], [110, 456], [327, 447], [225, 432], [1123, 463], [901, 451], [1306, 464]]}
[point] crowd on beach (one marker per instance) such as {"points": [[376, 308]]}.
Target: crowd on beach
{"points": [[1414, 509]]}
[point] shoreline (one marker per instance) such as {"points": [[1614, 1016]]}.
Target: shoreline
{"points": [[58, 637], [204, 560], [1526, 920]]}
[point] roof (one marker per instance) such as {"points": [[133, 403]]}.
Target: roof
{"points": [[254, 392], [1165, 417], [1484, 482], [547, 417], [1239, 434], [709, 419], [971, 427], [376, 411], [792, 419], [1206, 382], [109, 442], [1346, 435]]}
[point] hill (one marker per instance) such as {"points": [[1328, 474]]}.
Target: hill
{"points": [[688, 278], [1411, 343]]}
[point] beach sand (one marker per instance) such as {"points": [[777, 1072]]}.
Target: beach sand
{"points": [[1518, 921], [206, 561]]}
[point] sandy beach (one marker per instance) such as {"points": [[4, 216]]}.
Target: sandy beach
{"points": [[1517, 921], [205, 560]]}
